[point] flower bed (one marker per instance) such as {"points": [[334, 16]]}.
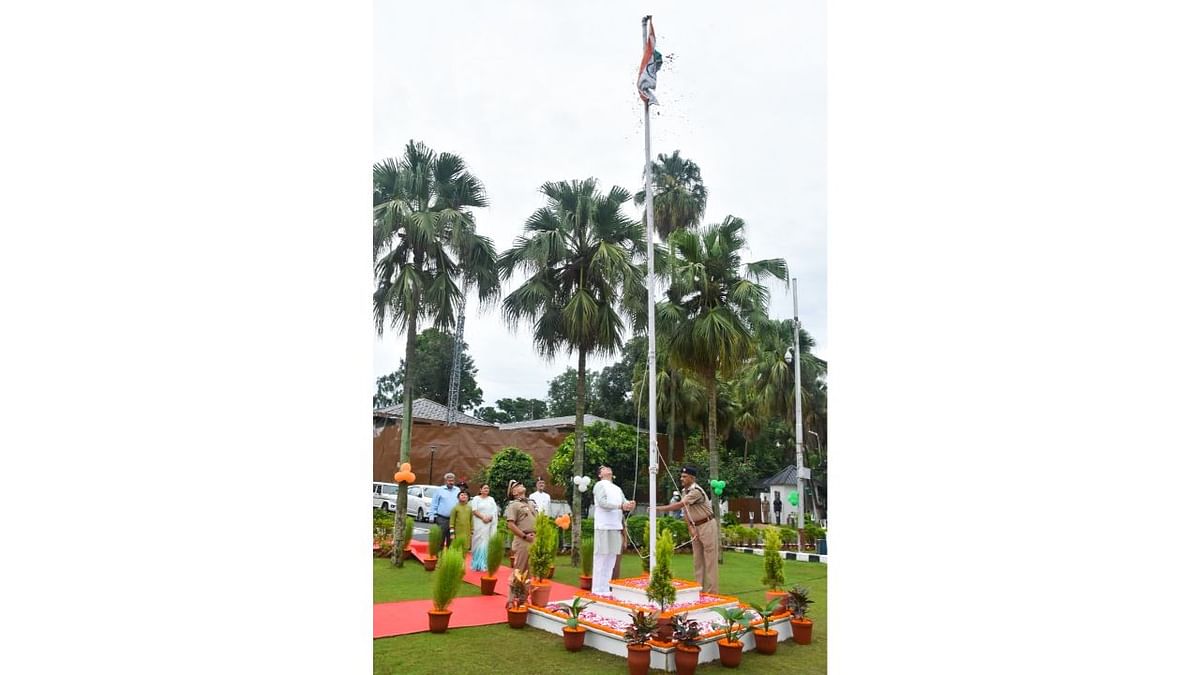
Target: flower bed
{"points": [[644, 580], [706, 600]]}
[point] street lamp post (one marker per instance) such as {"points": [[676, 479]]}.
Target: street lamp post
{"points": [[432, 450]]}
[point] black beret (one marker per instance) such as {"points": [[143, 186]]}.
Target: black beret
{"points": [[690, 471]]}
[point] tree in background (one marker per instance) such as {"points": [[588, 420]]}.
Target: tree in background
{"points": [[427, 255], [431, 374], [614, 445], [513, 410], [583, 284], [561, 394], [508, 464]]}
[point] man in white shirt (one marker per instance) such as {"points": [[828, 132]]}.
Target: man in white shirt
{"points": [[540, 498], [608, 523]]}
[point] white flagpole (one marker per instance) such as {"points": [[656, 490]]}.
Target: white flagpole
{"points": [[651, 357]]}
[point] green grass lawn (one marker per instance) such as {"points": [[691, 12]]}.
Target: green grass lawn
{"points": [[526, 650]]}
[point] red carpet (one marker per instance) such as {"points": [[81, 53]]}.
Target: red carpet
{"points": [[410, 616]]}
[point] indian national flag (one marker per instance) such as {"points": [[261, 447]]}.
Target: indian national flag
{"points": [[648, 73]]}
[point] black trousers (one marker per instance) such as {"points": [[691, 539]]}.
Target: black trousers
{"points": [[444, 523]]}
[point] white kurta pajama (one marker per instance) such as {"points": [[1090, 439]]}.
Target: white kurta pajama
{"points": [[608, 523]]}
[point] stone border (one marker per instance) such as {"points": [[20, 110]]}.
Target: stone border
{"points": [[786, 555]]}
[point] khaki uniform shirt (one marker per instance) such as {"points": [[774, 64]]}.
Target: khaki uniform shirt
{"points": [[696, 505], [521, 512]]}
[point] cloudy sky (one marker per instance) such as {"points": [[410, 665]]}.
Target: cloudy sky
{"points": [[528, 92]]}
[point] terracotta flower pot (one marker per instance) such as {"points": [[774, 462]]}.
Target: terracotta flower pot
{"points": [[782, 608], [540, 594], [517, 617], [487, 585], [731, 652], [802, 631], [639, 659], [573, 638], [686, 658], [765, 641], [585, 583], [430, 564], [439, 621], [664, 628]]}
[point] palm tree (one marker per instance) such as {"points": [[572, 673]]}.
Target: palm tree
{"points": [[712, 303], [427, 255], [771, 374], [680, 396], [679, 194], [579, 251]]}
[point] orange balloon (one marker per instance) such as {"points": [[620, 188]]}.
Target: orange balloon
{"points": [[563, 521], [399, 476], [410, 478], [406, 467]]}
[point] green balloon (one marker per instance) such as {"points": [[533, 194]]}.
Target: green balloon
{"points": [[794, 498]]}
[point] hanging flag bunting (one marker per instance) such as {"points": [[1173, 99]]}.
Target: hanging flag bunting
{"points": [[648, 73]]}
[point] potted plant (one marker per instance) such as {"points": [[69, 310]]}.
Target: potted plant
{"points": [[541, 557], [636, 636], [586, 549], [495, 550], [686, 634], [519, 588], [408, 532], [731, 646], [573, 633], [798, 601], [446, 582], [661, 588], [773, 569], [435, 547], [765, 639]]}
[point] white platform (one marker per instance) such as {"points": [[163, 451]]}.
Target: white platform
{"points": [[661, 656]]}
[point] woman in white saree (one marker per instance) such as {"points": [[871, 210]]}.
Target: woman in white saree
{"points": [[485, 514]]}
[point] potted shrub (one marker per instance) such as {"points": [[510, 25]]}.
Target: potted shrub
{"points": [[636, 636], [541, 558], [731, 645], [661, 589], [519, 588], [446, 582], [495, 551], [435, 547], [586, 549], [686, 634], [801, 627], [765, 638], [407, 538], [773, 569], [573, 633]]}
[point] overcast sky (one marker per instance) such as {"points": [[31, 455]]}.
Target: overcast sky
{"points": [[528, 92]]}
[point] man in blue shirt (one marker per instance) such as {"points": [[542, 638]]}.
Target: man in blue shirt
{"points": [[444, 499]]}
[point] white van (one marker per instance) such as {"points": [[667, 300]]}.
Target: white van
{"points": [[386, 495], [420, 497]]}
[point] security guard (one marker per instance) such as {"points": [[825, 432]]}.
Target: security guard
{"points": [[520, 517], [698, 513]]}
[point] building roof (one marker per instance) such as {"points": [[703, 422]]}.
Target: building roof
{"points": [[567, 421], [787, 476], [424, 409]]}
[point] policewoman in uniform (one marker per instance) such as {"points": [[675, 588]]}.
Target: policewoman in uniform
{"points": [[520, 517], [698, 514]]}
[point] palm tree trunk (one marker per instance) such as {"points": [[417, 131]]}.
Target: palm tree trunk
{"points": [[713, 459], [410, 353], [576, 497]]}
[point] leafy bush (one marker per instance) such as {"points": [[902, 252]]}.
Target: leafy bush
{"points": [[636, 526], [408, 532], [495, 552], [519, 588], [729, 518], [677, 527], [545, 541], [798, 601], [685, 632], [660, 589], [642, 627], [586, 549], [573, 610], [447, 578], [735, 622], [813, 532], [772, 561], [764, 611], [508, 464], [435, 540]]}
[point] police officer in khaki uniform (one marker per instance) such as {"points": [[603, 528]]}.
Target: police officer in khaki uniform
{"points": [[520, 516], [698, 514]]}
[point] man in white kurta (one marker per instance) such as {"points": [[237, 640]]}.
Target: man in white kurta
{"points": [[610, 503]]}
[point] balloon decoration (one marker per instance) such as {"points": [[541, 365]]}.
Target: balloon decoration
{"points": [[581, 482], [794, 498], [563, 521], [405, 476], [406, 467], [718, 486]]}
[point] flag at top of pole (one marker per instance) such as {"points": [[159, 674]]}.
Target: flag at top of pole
{"points": [[648, 73]]}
